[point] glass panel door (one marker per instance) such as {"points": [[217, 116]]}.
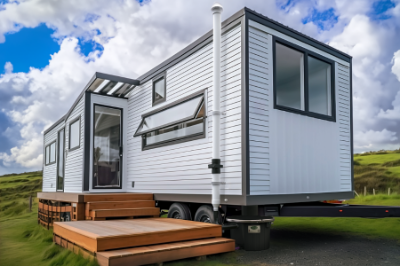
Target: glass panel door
{"points": [[107, 151], [60, 161]]}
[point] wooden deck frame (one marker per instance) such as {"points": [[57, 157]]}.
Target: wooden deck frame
{"points": [[94, 206], [106, 235], [154, 253]]}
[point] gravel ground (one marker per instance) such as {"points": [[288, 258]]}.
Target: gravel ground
{"points": [[304, 248]]}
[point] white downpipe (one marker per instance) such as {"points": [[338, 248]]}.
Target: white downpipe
{"points": [[216, 10]]}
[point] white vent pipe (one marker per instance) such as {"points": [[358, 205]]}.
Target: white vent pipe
{"points": [[215, 200]]}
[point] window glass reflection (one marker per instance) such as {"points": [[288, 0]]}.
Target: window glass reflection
{"points": [[107, 143], [179, 112], [289, 77], [319, 86]]}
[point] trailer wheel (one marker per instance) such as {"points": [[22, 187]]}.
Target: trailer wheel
{"points": [[179, 211], [204, 214]]}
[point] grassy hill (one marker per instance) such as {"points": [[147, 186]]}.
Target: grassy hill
{"points": [[22, 240], [377, 170], [15, 190]]}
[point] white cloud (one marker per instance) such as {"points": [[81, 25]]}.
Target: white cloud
{"points": [[393, 114], [374, 140], [396, 64], [8, 67]]}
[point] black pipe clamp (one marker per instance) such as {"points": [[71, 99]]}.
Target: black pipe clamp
{"points": [[215, 166]]}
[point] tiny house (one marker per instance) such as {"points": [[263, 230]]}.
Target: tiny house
{"points": [[285, 123]]}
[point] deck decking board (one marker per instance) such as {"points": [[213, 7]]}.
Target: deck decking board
{"points": [[117, 197], [117, 205], [143, 211], [104, 235], [165, 252]]}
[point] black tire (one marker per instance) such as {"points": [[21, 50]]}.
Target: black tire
{"points": [[204, 214], [179, 211]]}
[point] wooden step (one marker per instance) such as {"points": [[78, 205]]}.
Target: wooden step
{"points": [[135, 212], [97, 205], [165, 252], [115, 234], [117, 197]]}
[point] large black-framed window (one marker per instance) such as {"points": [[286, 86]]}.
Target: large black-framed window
{"points": [[50, 153], [303, 81], [74, 134], [159, 93], [180, 121]]}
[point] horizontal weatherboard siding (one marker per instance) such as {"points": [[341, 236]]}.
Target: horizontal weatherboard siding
{"points": [[259, 91], [182, 168], [74, 158], [50, 171]]}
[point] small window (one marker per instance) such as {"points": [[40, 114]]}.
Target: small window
{"points": [[159, 91], [176, 123], [303, 81], [47, 155], [50, 153], [74, 134]]}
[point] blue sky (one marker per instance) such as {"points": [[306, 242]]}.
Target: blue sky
{"points": [[29, 47], [54, 50]]}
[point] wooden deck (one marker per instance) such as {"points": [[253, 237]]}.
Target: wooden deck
{"points": [[134, 241], [97, 236]]}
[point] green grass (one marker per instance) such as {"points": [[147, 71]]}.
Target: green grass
{"points": [[380, 199], [377, 158], [22, 240], [377, 170], [374, 228]]}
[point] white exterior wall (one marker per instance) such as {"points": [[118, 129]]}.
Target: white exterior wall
{"points": [[50, 171], [292, 153], [74, 159], [182, 168]]}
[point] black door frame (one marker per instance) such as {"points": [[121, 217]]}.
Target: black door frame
{"points": [[58, 160], [120, 145]]}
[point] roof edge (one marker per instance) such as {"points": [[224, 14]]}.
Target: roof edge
{"points": [[281, 26], [176, 58], [54, 125]]}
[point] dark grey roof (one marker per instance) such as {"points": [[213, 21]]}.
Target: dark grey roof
{"points": [[295, 34]]}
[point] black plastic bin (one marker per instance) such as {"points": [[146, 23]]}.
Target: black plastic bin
{"points": [[253, 232]]}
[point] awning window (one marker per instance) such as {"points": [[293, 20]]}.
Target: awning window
{"points": [[176, 114]]}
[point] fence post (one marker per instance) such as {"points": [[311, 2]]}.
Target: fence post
{"points": [[30, 203], [373, 190], [388, 191], [365, 191]]}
